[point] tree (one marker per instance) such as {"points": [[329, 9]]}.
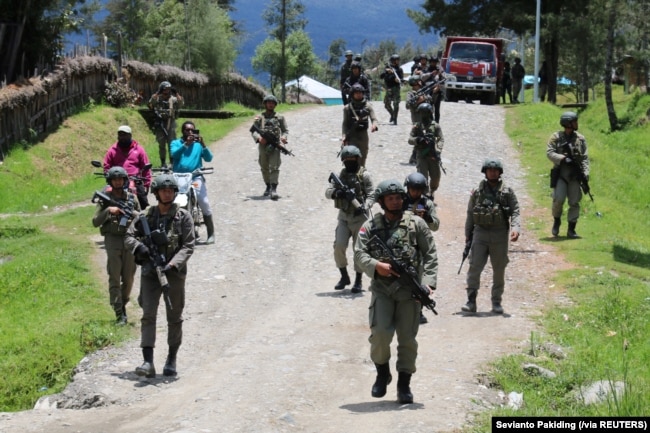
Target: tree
{"points": [[31, 33], [335, 53], [126, 18], [283, 17]]}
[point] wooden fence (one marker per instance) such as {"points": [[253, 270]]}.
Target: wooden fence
{"points": [[33, 107]]}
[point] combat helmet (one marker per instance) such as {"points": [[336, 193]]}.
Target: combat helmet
{"points": [[164, 181], [492, 163], [270, 98], [416, 181], [567, 118], [414, 79], [394, 57], [349, 53], [164, 85], [355, 64], [387, 187], [115, 173], [356, 87], [425, 110], [350, 152]]}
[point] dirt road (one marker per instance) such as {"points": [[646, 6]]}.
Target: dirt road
{"points": [[269, 346]]}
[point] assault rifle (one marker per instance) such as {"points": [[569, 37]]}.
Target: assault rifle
{"points": [[350, 196], [160, 122], [582, 178], [430, 142], [408, 275], [157, 258], [468, 247], [126, 206], [271, 139], [427, 89], [388, 65]]}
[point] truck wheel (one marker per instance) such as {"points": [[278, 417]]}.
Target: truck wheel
{"points": [[489, 99], [451, 96]]}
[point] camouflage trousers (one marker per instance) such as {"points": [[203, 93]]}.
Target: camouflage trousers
{"points": [[347, 227], [149, 299], [430, 169], [120, 266], [389, 314], [164, 138], [569, 191], [492, 243], [361, 141], [269, 161], [392, 100]]}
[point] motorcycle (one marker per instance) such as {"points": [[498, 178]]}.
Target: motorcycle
{"points": [[188, 196], [136, 182]]}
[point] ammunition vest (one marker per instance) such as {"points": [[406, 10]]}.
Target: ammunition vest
{"points": [[170, 224], [112, 224], [360, 113], [402, 241], [271, 124], [355, 182], [490, 207]]}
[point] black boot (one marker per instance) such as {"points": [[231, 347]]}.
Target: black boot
{"points": [[267, 191], [404, 395], [470, 306], [274, 192], [120, 314], [356, 287], [556, 226], [571, 232], [209, 226], [146, 369], [344, 281], [170, 364], [384, 378], [395, 116], [413, 159], [423, 318]]}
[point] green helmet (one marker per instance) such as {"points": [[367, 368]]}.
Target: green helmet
{"points": [[492, 163], [164, 181], [271, 98], [117, 172], [387, 187], [414, 79], [350, 152], [349, 53], [567, 117]]}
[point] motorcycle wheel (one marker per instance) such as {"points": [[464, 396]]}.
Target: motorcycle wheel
{"points": [[197, 217]]}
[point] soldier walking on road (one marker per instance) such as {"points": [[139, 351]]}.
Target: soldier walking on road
{"points": [[172, 233], [492, 219], [568, 151], [165, 103], [392, 307], [269, 155], [419, 204], [357, 189], [393, 77], [113, 223], [426, 136], [345, 72], [358, 117]]}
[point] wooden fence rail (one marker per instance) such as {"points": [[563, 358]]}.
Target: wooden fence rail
{"points": [[33, 107]]}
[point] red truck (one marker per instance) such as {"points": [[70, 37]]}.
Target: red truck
{"points": [[474, 68]]}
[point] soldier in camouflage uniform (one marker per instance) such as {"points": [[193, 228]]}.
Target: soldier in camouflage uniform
{"points": [[393, 77], [113, 223], [358, 117], [345, 72], [359, 187], [357, 77], [417, 202], [428, 141], [492, 219], [165, 103], [173, 233], [392, 307], [568, 151], [269, 156]]}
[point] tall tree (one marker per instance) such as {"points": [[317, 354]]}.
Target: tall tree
{"points": [[282, 17], [126, 18], [31, 33]]}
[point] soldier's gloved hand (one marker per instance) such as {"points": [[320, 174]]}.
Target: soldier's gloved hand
{"points": [[568, 160], [141, 252], [339, 193]]}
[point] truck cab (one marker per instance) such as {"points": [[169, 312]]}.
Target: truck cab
{"points": [[474, 68]]}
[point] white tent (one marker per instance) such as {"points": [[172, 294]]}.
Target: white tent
{"points": [[329, 95], [406, 68]]}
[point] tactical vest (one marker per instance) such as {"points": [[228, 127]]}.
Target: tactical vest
{"points": [[112, 224], [491, 209], [402, 242], [171, 225], [360, 113], [355, 182], [271, 124]]}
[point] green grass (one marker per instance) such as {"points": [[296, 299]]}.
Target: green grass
{"points": [[605, 330]]}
